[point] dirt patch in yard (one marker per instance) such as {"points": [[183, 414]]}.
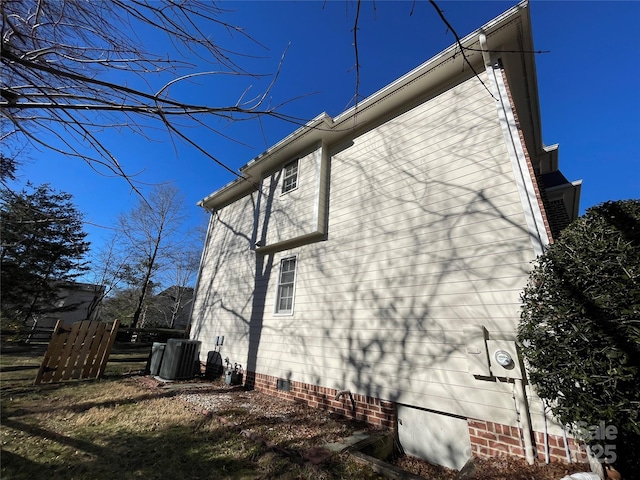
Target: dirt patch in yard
{"points": [[298, 428]]}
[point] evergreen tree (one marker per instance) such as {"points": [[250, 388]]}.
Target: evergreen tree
{"points": [[580, 329], [43, 244]]}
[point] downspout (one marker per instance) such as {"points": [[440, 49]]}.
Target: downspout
{"points": [[527, 431], [532, 213], [547, 458], [482, 38], [537, 240], [567, 451]]}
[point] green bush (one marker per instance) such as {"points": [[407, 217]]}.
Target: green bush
{"points": [[580, 327]]}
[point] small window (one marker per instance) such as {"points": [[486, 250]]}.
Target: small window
{"points": [[290, 180], [284, 300]]}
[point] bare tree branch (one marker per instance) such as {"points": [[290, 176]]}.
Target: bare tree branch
{"points": [[459, 42], [74, 69], [355, 49]]}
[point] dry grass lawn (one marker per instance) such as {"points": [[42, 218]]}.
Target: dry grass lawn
{"points": [[117, 427], [126, 428]]}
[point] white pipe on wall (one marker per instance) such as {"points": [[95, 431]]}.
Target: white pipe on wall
{"points": [[547, 458], [567, 451], [529, 451]]}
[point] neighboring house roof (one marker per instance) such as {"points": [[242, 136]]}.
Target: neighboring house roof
{"points": [[81, 287], [175, 290], [76, 297], [168, 299]]}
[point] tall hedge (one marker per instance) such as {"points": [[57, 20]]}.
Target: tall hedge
{"points": [[580, 328]]}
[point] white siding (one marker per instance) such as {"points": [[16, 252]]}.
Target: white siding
{"points": [[222, 303], [287, 216], [425, 234]]}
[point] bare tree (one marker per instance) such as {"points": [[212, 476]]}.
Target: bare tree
{"points": [[107, 270], [151, 232], [170, 308], [185, 264], [72, 69]]}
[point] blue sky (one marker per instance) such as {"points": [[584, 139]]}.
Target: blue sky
{"points": [[588, 84]]}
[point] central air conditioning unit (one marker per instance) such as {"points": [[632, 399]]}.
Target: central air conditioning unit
{"points": [[155, 359], [181, 359]]}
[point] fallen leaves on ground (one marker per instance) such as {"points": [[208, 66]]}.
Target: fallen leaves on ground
{"points": [[296, 426]]}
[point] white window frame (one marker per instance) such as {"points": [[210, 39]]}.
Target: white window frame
{"points": [[292, 284], [286, 177]]}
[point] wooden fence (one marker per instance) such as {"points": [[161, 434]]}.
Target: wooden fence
{"points": [[81, 351]]}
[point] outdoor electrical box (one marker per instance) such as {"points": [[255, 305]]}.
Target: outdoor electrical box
{"points": [[504, 359], [475, 341]]}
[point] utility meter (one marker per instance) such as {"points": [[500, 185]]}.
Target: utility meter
{"points": [[504, 359], [503, 356]]}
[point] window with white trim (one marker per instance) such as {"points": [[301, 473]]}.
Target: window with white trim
{"points": [[290, 176], [286, 283]]}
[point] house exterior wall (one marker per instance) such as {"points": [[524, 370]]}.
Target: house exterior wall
{"points": [[425, 235], [227, 279], [285, 217], [415, 251], [413, 226]]}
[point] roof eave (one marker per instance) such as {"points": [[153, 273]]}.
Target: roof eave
{"points": [[436, 71]]}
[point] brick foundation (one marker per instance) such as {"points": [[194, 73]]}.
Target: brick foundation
{"points": [[368, 409], [557, 451], [490, 439]]}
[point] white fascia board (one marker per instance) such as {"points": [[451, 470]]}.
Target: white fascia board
{"points": [[224, 196], [452, 52], [252, 172], [310, 132], [577, 192]]}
